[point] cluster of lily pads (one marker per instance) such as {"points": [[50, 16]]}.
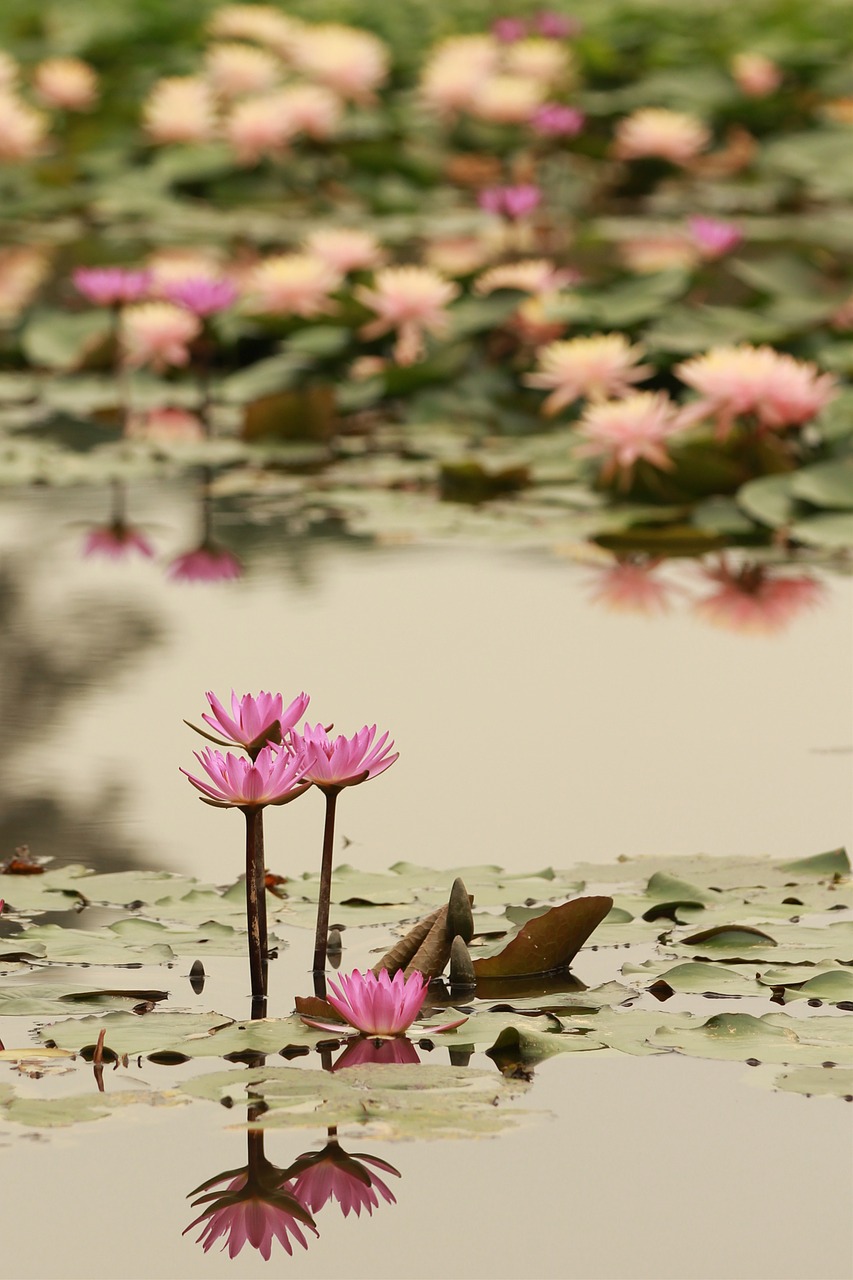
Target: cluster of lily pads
{"points": [[372, 261]]}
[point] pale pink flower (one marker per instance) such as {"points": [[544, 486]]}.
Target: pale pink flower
{"points": [[23, 270], [507, 99], [755, 74], [345, 249], [22, 130], [625, 432], [599, 367], [117, 541], [207, 563], [343, 762], [646, 255], [554, 120], [310, 109], [255, 719], [754, 599], [262, 23], [539, 59], [632, 586], [774, 388], [536, 276], [512, 203], [67, 83], [410, 301], [157, 334], [455, 70], [252, 1211], [180, 109], [297, 284], [656, 132], [237, 783], [201, 294], [166, 427], [335, 1174], [713, 237], [258, 127], [556, 26], [347, 60], [462, 255], [169, 265], [234, 69], [111, 286], [9, 71]]}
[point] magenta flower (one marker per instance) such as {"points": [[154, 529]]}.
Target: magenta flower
{"points": [[246, 1211], [343, 762], [510, 202], [555, 120], [115, 541], [238, 783], [509, 30], [380, 1006], [713, 237], [255, 721], [555, 26], [207, 563], [202, 295], [111, 286], [335, 1174]]}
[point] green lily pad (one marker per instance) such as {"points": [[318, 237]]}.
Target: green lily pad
{"points": [[53, 1113], [740, 1037], [818, 1082]]}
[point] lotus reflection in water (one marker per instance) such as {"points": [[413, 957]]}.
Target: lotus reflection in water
{"points": [[336, 1174]]}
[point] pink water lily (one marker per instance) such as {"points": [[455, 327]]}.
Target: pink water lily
{"points": [[202, 295], [255, 719], [378, 1006], [335, 1174], [343, 762], [207, 563], [244, 1211], [115, 541], [111, 286], [238, 783]]}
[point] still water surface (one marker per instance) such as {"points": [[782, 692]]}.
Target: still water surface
{"points": [[535, 728]]}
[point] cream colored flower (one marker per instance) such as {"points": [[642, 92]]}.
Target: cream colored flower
{"points": [[297, 284], [23, 270], [773, 387], [545, 60], [180, 109], [9, 71], [410, 301], [506, 99], [756, 75], [654, 132], [455, 70], [647, 254], [257, 127], [67, 83], [532, 275], [351, 62], [463, 255], [22, 130], [259, 22], [234, 70], [311, 109], [599, 367], [157, 334], [345, 249], [170, 265]]}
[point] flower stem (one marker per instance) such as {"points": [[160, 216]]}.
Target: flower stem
{"points": [[256, 902], [321, 935]]}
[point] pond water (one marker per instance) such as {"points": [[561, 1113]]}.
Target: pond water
{"points": [[536, 728]]}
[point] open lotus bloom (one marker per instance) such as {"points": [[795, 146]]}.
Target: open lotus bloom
{"points": [[254, 720], [238, 783], [246, 1211], [378, 1006], [335, 1174], [332, 763], [111, 286]]}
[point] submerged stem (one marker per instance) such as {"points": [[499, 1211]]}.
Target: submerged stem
{"points": [[256, 903], [321, 935]]}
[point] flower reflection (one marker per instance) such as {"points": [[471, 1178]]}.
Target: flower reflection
{"points": [[253, 1205], [361, 1051], [335, 1174], [631, 585], [115, 541], [207, 563], [752, 598]]}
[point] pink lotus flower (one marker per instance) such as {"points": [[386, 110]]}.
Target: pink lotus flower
{"points": [[347, 60], [777, 390], [67, 83], [755, 74], [343, 762], [298, 284], [713, 237], [116, 541], [510, 202], [238, 783], [455, 72], [180, 109], [254, 720], [248, 1211], [753, 599], [207, 563], [158, 334], [345, 249], [598, 367], [508, 30], [360, 1051], [410, 300], [111, 286], [536, 276], [234, 69], [335, 1174], [554, 120], [623, 432], [201, 294], [258, 127], [383, 1006], [556, 26], [654, 132]]}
